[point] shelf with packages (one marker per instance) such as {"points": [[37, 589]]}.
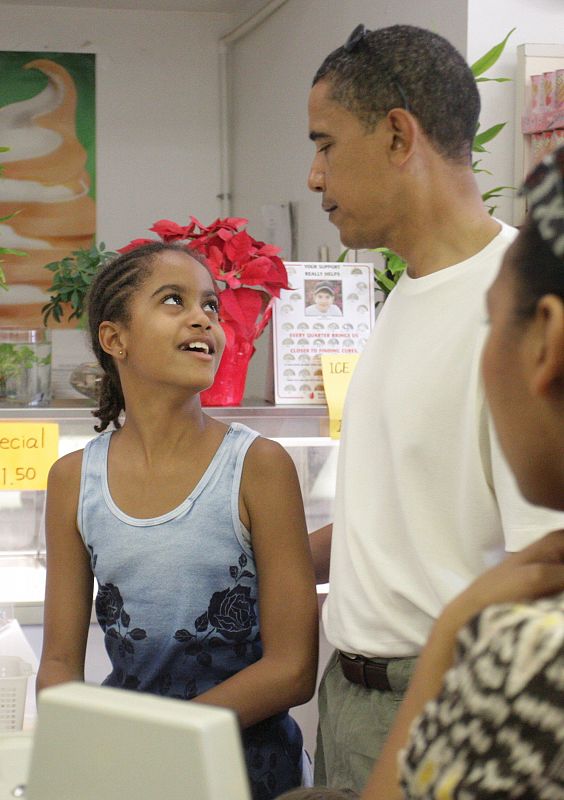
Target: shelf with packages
{"points": [[302, 430], [539, 110]]}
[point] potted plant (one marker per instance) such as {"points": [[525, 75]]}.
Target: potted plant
{"points": [[25, 366], [22, 350], [250, 275], [249, 272], [72, 276]]}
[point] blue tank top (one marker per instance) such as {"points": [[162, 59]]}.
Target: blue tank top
{"points": [[178, 600]]}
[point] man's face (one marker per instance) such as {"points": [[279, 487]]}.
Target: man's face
{"points": [[349, 169]]}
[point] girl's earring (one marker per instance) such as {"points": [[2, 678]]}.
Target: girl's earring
{"points": [[121, 352]]}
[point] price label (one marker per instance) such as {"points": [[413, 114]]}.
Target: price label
{"points": [[27, 451], [337, 372]]}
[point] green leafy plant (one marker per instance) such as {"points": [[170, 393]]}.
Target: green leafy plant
{"points": [[387, 278], [482, 138], [72, 277], [15, 359]]}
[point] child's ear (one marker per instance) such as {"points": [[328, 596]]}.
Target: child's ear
{"points": [[110, 336], [547, 348]]}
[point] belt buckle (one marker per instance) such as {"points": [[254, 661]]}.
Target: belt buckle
{"points": [[365, 662], [362, 663], [381, 668]]}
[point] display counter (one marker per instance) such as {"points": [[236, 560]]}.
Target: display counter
{"points": [[301, 430]]}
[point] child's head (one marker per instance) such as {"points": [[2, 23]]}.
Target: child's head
{"points": [[319, 793], [323, 296], [111, 298], [524, 356]]}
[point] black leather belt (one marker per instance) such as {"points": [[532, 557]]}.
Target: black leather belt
{"points": [[368, 672]]}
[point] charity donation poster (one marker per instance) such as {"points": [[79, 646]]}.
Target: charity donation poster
{"points": [[328, 310]]}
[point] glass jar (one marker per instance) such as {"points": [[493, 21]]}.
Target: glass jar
{"points": [[25, 366]]}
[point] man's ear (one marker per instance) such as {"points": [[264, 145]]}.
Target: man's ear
{"points": [[110, 336], [546, 362], [403, 130]]}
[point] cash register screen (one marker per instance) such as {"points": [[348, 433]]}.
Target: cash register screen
{"points": [[95, 742]]}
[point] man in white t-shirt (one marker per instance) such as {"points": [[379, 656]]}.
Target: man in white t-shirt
{"points": [[424, 501]]}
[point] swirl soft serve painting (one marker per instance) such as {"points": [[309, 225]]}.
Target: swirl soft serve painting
{"points": [[47, 120]]}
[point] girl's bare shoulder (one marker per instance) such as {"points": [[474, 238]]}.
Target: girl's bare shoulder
{"points": [[266, 457], [67, 470]]}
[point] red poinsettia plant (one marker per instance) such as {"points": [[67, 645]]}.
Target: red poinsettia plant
{"points": [[252, 275], [251, 271]]}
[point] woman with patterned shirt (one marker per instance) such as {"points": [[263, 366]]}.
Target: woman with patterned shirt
{"points": [[484, 715]]}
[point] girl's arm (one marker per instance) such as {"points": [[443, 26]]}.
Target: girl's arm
{"points": [[536, 571], [68, 592], [285, 675]]}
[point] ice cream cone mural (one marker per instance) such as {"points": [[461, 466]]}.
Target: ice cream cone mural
{"points": [[47, 172]]}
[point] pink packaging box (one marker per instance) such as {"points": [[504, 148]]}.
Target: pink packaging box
{"points": [[537, 93], [559, 90], [549, 84]]}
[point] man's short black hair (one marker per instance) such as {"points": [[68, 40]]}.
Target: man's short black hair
{"points": [[408, 67]]}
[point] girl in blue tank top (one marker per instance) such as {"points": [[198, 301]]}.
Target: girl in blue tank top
{"points": [[194, 531]]}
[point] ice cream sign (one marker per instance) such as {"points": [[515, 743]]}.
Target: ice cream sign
{"points": [[47, 182]]}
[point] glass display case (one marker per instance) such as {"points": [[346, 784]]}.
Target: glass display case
{"points": [[303, 431]]}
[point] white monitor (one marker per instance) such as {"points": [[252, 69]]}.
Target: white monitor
{"points": [[95, 742]]}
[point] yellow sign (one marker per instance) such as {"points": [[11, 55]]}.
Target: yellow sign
{"points": [[337, 372], [27, 451]]}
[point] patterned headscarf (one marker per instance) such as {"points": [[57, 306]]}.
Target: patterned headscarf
{"points": [[544, 189]]}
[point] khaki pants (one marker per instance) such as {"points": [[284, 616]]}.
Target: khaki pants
{"points": [[354, 722]]}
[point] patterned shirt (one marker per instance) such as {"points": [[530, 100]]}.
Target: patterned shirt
{"points": [[496, 730]]}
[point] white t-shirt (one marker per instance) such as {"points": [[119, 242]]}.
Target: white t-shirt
{"points": [[425, 501]]}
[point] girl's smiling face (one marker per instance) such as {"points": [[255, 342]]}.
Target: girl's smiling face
{"points": [[173, 335]]}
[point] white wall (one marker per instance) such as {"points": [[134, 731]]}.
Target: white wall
{"points": [[488, 23], [157, 106]]}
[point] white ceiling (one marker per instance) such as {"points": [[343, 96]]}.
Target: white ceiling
{"points": [[225, 6]]}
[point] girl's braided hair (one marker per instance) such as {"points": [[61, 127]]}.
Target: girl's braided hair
{"points": [[538, 253], [109, 299]]}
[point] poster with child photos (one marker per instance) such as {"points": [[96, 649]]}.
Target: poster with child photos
{"points": [[329, 309]]}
